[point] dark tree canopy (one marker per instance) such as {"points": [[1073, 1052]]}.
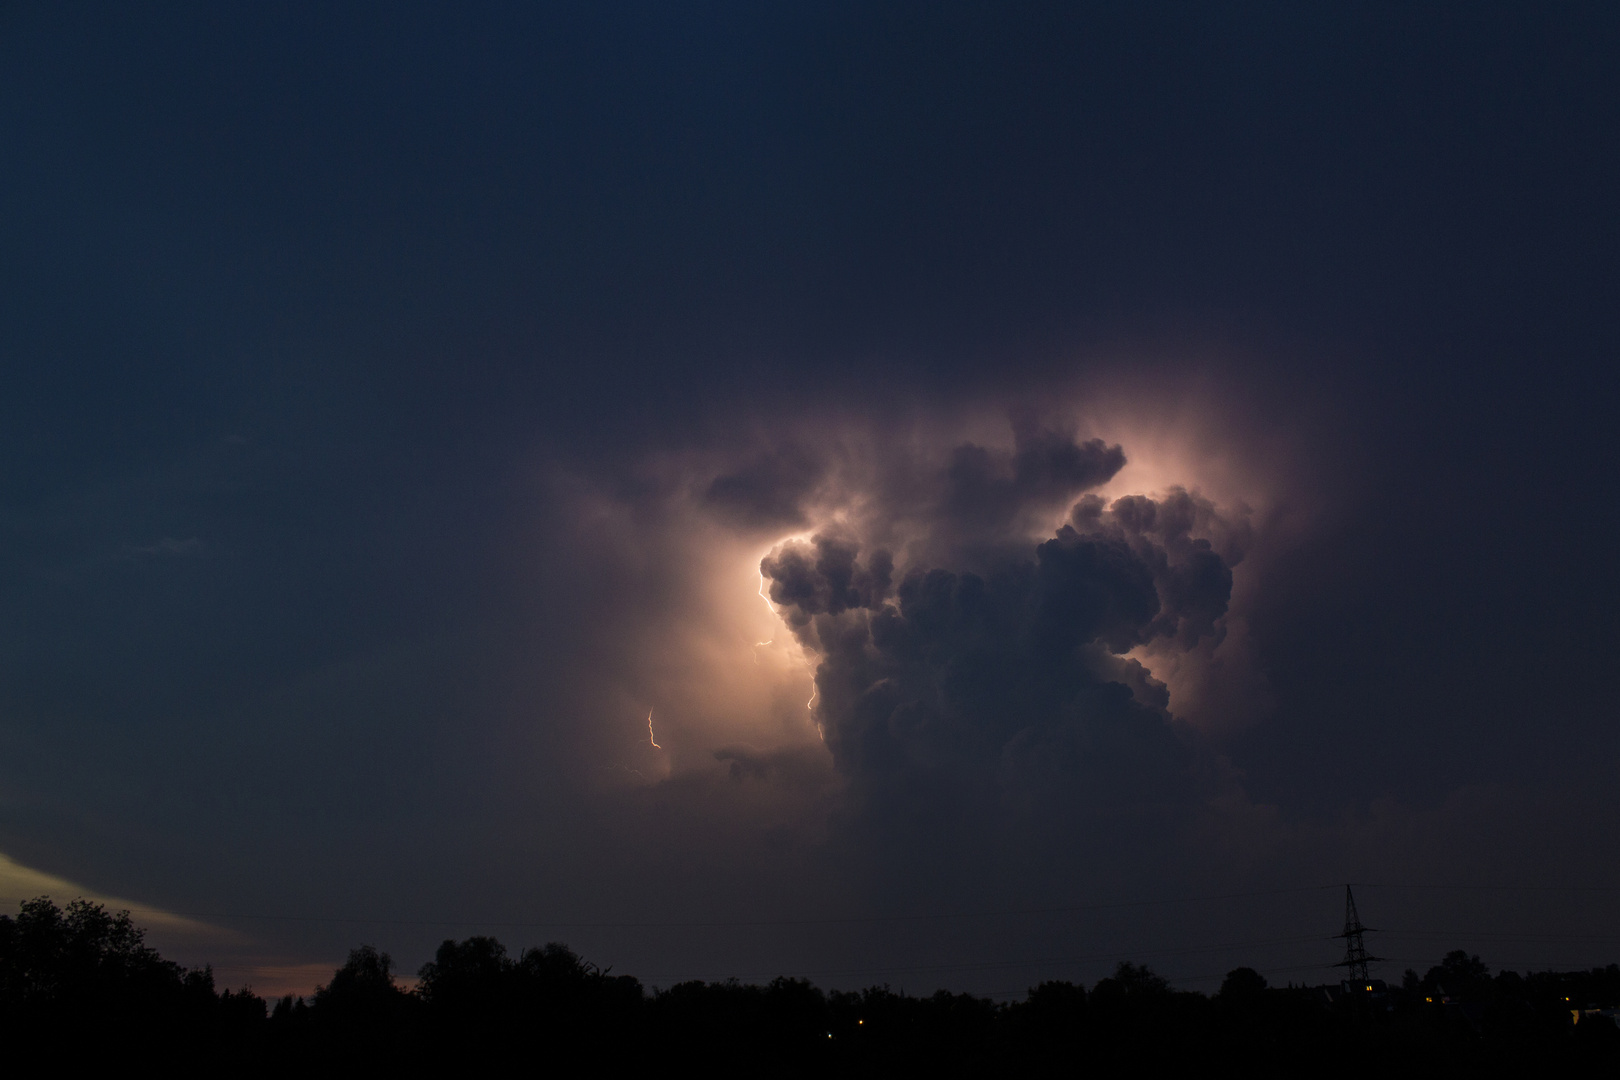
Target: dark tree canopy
{"points": [[65, 972], [52, 957]]}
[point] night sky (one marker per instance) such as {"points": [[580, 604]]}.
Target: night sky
{"points": [[938, 495]]}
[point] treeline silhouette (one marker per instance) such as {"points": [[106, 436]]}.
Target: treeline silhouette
{"points": [[81, 983]]}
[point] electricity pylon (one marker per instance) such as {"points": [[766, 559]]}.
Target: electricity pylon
{"points": [[1355, 950]]}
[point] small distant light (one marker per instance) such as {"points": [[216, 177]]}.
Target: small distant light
{"points": [[829, 1034], [860, 1021], [1431, 999], [1369, 986]]}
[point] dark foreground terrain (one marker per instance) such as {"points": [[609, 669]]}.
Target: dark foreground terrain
{"points": [[80, 986]]}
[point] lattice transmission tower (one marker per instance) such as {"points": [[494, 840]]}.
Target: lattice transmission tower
{"points": [[1355, 949]]}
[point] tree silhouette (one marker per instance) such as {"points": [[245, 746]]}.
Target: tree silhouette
{"points": [[84, 978], [361, 1016], [1242, 984], [1459, 975], [362, 987], [51, 956], [83, 968], [1133, 983]]}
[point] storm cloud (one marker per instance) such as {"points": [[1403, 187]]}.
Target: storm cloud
{"points": [[768, 491], [1008, 675], [989, 490]]}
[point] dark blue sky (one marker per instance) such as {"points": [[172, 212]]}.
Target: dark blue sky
{"points": [[392, 391]]}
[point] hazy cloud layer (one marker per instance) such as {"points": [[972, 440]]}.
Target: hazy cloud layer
{"points": [[768, 491]]}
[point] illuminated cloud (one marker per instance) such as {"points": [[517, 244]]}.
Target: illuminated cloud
{"points": [[1008, 659], [975, 629]]}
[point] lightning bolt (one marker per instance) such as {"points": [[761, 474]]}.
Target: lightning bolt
{"points": [[814, 689], [650, 736]]}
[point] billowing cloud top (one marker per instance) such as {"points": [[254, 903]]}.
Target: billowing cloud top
{"points": [[984, 654]]}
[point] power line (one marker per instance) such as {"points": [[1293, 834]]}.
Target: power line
{"points": [[1505, 935], [1489, 888], [668, 924], [990, 964]]}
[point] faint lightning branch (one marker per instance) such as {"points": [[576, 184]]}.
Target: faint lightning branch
{"points": [[814, 689], [650, 736]]}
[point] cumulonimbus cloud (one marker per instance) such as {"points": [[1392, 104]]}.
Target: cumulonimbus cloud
{"points": [[980, 654], [975, 610]]}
